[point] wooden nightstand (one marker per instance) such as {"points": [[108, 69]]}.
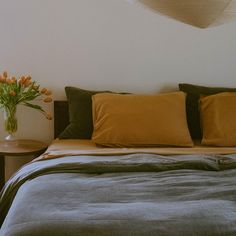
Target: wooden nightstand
{"points": [[18, 148]]}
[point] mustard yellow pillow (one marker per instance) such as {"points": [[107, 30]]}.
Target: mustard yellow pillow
{"points": [[140, 120], [218, 119]]}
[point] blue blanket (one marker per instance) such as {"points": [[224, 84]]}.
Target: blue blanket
{"points": [[138, 194]]}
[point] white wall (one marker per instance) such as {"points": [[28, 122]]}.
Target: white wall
{"points": [[107, 44]]}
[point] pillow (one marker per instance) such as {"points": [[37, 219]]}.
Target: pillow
{"points": [[193, 95], [218, 118], [140, 120], [80, 114]]}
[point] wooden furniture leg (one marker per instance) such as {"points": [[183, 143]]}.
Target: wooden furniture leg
{"points": [[2, 171]]}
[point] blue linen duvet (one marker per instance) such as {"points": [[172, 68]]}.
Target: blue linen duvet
{"points": [[138, 194]]}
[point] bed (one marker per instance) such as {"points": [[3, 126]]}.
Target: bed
{"points": [[79, 188]]}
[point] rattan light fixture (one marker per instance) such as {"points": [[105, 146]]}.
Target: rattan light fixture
{"points": [[200, 13]]}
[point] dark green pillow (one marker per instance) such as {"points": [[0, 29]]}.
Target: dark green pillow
{"points": [[193, 94], [80, 113]]}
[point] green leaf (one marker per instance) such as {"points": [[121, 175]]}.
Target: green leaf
{"points": [[37, 107]]}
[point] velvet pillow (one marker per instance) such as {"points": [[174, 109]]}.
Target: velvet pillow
{"points": [[193, 94], [218, 119], [80, 114], [140, 120]]}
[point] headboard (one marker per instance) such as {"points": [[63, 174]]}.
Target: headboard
{"points": [[61, 117]]}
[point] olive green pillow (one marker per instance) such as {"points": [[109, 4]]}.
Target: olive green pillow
{"points": [[80, 113], [193, 94]]}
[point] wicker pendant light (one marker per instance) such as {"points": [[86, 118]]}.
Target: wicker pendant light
{"points": [[200, 13]]}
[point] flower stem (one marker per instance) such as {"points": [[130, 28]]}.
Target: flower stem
{"points": [[10, 119]]}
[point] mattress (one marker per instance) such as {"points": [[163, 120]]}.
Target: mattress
{"points": [[65, 147]]}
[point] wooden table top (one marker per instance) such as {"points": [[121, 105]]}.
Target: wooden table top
{"points": [[22, 147]]}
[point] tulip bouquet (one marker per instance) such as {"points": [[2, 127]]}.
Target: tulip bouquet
{"points": [[20, 91]]}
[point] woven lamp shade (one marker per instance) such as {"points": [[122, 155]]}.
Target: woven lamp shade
{"points": [[200, 13]]}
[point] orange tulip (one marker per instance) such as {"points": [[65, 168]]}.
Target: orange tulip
{"points": [[44, 90], [12, 93], [5, 74], [2, 80], [28, 77], [9, 81], [13, 79], [47, 99], [48, 92], [22, 80], [27, 82], [48, 116]]}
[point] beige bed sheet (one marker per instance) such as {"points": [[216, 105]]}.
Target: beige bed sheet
{"points": [[69, 147]]}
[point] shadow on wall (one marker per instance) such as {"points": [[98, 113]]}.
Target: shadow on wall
{"points": [[199, 13]]}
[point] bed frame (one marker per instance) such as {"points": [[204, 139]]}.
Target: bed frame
{"points": [[61, 116]]}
